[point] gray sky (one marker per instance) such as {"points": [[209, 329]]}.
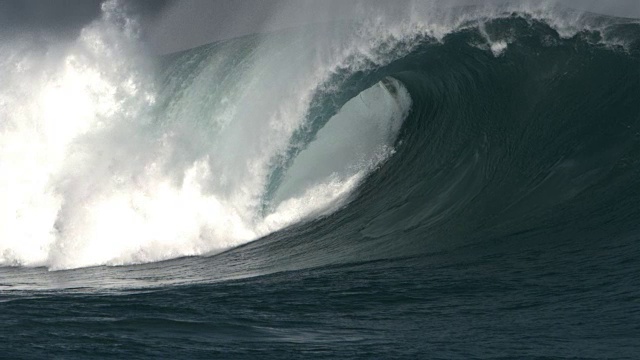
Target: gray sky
{"points": [[171, 25], [64, 16]]}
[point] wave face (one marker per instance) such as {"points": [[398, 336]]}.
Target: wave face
{"points": [[388, 139], [530, 135]]}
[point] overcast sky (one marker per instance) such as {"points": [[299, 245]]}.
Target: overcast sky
{"points": [[64, 16], [171, 25]]}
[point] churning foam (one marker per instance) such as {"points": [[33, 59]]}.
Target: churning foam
{"points": [[103, 166]]}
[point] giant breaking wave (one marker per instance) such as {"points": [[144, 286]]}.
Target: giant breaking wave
{"points": [[389, 136]]}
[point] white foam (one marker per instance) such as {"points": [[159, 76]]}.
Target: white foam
{"points": [[92, 175], [51, 98]]}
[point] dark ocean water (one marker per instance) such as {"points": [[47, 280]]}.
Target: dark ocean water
{"points": [[505, 225], [544, 300]]}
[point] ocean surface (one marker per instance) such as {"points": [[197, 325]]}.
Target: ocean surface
{"points": [[460, 183]]}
